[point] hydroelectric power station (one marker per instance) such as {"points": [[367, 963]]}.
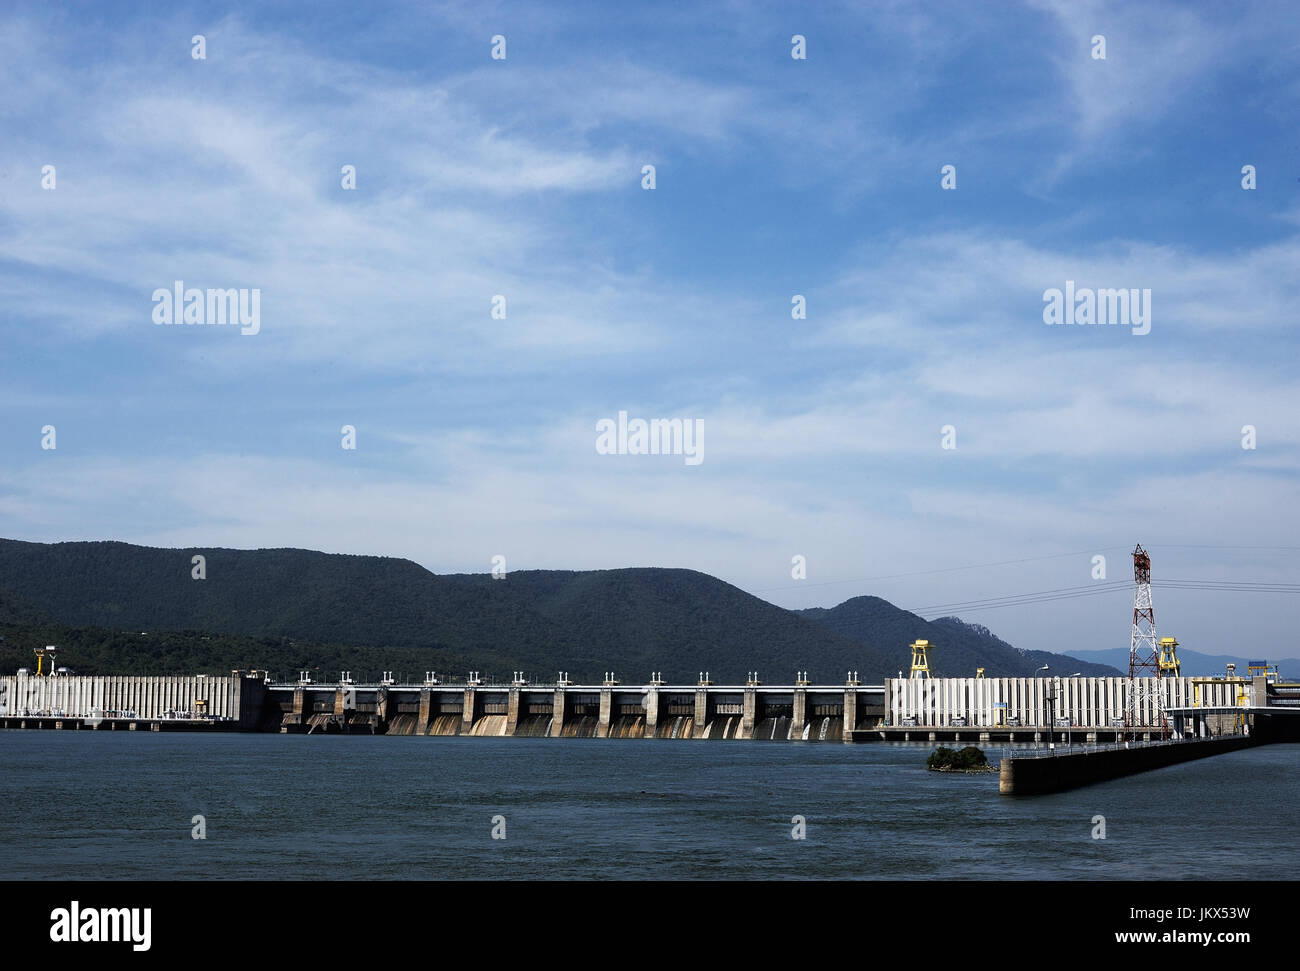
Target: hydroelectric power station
{"points": [[921, 707], [1045, 709]]}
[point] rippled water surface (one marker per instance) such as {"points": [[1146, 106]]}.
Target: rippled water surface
{"points": [[116, 805]]}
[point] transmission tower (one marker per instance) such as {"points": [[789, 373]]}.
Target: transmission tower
{"points": [[1143, 653], [1152, 694]]}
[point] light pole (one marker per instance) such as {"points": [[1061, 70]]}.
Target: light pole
{"points": [[1051, 713], [1069, 732]]}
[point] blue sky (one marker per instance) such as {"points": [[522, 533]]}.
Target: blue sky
{"points": [[774, 177]]}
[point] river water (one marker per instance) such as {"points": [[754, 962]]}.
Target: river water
{"points": [[100, 805]]}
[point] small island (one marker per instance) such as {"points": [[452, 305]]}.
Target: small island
{"points": [[970, 761]]}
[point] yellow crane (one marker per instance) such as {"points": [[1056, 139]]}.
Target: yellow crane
{"points": [[1168, 664], [1255, 669], [920, 659], [41, 654]]}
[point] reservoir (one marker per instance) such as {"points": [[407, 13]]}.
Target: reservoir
{"points": [[117, 806]]}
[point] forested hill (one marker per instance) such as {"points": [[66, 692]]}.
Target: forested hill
{"points": [[630, 621], [959, 648]]}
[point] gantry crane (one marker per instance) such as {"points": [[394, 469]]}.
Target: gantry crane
{"points": [[41, 654], [920, 659]]}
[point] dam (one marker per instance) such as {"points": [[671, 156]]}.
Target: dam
{"points": [[902, 709], [251, 701]]}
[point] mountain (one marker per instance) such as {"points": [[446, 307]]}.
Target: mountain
{"points": [[631, 621], [286, 608], [19, 611], [1198, 665], [958, 647], [98, 650]]}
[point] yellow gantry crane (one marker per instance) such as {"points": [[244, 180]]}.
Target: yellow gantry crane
{"points": [[1168, 664], [1255, 669], [41, 654], [920, 659]]}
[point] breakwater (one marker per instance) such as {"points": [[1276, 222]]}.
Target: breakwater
{"points": [[1036, 775]]}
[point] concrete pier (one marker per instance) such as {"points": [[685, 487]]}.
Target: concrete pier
{"points": [[513, 701], [1035, 775], [469, 711], [749, 717], [652, 712], [606, 712], [425, 717], [558, 705]]}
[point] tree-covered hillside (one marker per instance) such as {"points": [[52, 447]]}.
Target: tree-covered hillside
{"points": [[631, 621], [958, 648], [276, 608], [97, 650]]}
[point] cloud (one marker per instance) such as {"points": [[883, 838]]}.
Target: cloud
{"points": [[822, 436], [1156, 55]]}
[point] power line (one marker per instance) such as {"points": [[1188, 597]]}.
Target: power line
{"points": [[1072, 593], [1202, 546], [1266, 586], [1042, 596], [803, 585], [947, 569]]}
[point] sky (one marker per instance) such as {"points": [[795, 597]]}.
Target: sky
{"points": [[523, 177]]}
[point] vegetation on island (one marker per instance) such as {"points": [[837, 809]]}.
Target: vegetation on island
{"points": [[968, 759]]}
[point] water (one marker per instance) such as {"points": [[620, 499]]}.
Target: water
{"points": [[119, 806]]}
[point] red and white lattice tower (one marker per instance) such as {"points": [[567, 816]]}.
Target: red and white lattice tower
{"points": [[1143, 651]]}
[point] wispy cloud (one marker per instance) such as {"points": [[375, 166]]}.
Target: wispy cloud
{"points": [[776, 177]]}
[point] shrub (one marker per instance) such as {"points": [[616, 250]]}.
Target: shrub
{"points": [[945, 758]]}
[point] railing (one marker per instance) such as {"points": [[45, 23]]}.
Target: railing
{"points": [[1115, 746], [595, 688]]}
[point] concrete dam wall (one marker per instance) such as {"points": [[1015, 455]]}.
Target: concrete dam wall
{"points": [[248, 701], [933, 708], [777, 713]]}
